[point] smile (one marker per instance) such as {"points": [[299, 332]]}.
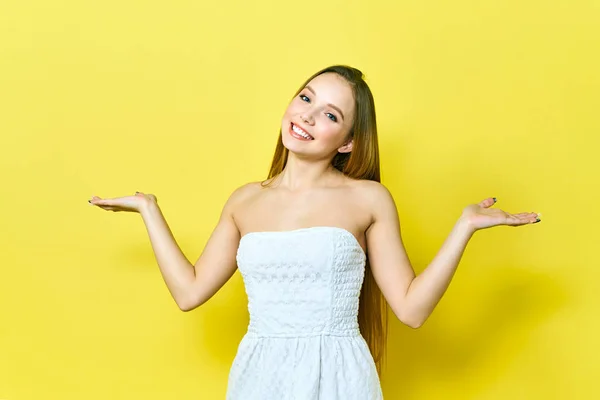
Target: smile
{"points": [[299, 133]]}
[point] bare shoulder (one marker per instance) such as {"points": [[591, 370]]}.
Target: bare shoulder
{"points": [[377, 199], [372, 192], [242, 193], [241, 196]]}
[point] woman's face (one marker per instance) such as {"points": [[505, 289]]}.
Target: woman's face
{"points": [[318, 120]]}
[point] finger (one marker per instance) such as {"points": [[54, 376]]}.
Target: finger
{"points": [[100, 202], [526, 215], [142, 194], [515, 221], [487, 202], [105, 207], [107, 202], [150, 195], [531, 216], [522, 220]]}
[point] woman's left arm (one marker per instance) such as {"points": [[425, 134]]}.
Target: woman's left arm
{"points": [[413, 298]]}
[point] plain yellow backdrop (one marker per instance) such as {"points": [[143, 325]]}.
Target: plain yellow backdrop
{"points": [[184, 100]]}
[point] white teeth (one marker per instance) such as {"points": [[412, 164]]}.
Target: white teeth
{"points": [[300, 132]]}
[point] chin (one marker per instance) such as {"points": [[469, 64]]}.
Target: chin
{"points": [[290, 144], [287, 142]]}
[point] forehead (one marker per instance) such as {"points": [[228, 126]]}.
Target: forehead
{"points": [[332, 88]]}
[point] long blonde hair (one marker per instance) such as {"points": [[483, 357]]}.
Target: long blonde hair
{"points": [[361, 163]]}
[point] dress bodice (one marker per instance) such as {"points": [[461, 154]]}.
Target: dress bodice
{"points": [[302, 282]]}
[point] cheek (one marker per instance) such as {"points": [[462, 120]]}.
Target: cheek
{"points": [[330, 131], [294, 107]]}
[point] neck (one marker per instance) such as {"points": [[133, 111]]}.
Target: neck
{"points": [[300, 174]]}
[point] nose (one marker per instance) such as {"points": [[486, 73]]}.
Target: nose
{"points": [[307, 117]]}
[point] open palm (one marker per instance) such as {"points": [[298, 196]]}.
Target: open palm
{"points": [[481, 216], [133, 203]]}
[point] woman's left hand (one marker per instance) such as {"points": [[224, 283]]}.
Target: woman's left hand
{"points": [[481, 216]]}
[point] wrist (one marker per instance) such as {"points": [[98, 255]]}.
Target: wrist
{"points": [[148, 207], [464, 225]]}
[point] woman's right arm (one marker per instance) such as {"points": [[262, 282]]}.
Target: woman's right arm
{"points": [[192, 285], [189, 285]]}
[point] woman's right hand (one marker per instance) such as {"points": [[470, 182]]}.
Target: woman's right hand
{"points": [[135, 203]]}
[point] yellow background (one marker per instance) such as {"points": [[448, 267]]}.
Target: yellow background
{"points": [[184, 100]]}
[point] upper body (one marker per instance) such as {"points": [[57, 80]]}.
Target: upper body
{"points": [[325, 173], [365, 208]]}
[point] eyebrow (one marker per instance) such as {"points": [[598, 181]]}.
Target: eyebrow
{"points": [[329, 104]]}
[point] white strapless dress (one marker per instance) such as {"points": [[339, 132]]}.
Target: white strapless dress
{"points": [[303, 340]]}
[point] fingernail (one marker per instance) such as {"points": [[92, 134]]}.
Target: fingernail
{"points": [[537, 220], [89, 201], [495, 200]]}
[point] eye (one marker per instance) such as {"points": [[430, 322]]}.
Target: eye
{"points": [[304, 97], [332, 117]]}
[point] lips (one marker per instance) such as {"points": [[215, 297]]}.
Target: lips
{"points": [[304, 136]]}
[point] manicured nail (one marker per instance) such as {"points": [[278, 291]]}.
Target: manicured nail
{"points": [[495, 200], [89, 201], [537, 220]]}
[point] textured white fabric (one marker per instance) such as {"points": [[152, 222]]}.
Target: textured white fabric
{"points": [[303, 340]]}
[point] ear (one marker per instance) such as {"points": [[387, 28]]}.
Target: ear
{"points": [[347, 147]]}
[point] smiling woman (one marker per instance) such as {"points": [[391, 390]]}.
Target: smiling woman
{"points": [[319, 248]]}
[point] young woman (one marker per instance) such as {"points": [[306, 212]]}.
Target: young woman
{"points": [[318, 245]]}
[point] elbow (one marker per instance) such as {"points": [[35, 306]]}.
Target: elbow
{"points": [[408, 315], [414, 324], [187, 305], [190, 304], [412, 321]]}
